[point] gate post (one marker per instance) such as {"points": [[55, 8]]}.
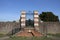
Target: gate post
{"points": [[36, 20], [23, 19]]}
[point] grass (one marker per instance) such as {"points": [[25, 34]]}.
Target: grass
{"points": [[56, 35], [2, 35], [28, 38]]}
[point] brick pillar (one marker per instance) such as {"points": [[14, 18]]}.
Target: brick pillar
{"points": [[36, 20], [23, 19]]}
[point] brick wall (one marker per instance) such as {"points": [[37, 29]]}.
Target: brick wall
{"points": [[51, 27], [6, 27]]}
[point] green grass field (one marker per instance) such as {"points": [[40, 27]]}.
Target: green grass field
{"points": [[2, 35], [31, 38], [55, 35], [28, 38]]}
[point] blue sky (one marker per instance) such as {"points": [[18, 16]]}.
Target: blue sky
{"points": [[10, 9]]}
